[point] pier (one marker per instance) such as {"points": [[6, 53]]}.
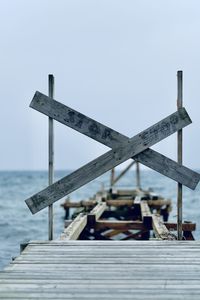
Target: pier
{"points": [[104, 270], [119, 244]]}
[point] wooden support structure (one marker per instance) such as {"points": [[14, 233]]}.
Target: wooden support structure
{"points": [[107, 161], [119, 225], [114, 139], [112, 177], [161, 230], [123, 172], [101, 267], [146, 214], [180, 156], [73, 231], [115, 203], [96, 213], [138, 182], [51, 156]]}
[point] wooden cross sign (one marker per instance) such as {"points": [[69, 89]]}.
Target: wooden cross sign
{"points": [[122, 147]]}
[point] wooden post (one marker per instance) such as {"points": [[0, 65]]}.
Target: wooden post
{"points": [[51, 155], [138, 185], [179, 155], [112, 177]]}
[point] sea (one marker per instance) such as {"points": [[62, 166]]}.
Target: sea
{"points": [[17, 224]]}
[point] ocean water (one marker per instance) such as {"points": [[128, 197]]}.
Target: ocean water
{"points": [[17, 224]]}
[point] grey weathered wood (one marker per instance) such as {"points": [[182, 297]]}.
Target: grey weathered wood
{"points": [[51, 156], [119, 225], [169, 168], [140, 270], [112, 177], [107, 161], [75, 228], [161, 230], [96, 213], [180, 157], [146, 214], [112, 139], [138, 183]]}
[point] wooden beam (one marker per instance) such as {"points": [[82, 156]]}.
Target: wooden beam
{"points": [[159, 202], [107, 161], [112, 177], [123, 172], [161, 230], [51, 156], [114, 203], [96, 213], [121, 202], [112, 233], [86, 203], [119, 225], [73, 231], [138, 183], [188, 235], [146, 214], [112, 139], [180, 158], [186, 226]]}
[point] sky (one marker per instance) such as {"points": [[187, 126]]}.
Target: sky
{"points": [[115, 61]]}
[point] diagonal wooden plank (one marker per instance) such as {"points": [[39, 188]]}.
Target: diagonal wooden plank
{"points": [[161, 230], [73, 231], [112, 139], [110, 159]]}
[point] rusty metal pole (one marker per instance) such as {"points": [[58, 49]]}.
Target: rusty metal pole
{"points": [[179, 156], [51, 155]]}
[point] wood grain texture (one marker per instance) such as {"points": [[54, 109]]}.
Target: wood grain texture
{"points": [[104, 270], [161, 230], [75, 228], [96, 213], [107, 161], [146, 214], [112, 139]]}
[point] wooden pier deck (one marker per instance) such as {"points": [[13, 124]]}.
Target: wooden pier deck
{"points": [[104, 270]]}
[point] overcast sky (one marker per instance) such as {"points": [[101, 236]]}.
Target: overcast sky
{"points": [[115, 61]]}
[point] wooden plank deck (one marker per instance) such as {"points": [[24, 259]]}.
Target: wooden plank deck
{"points": [[104, 270]]}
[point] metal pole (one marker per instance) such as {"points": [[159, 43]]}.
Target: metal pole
{"points": [[51, 154], [179, 156], [138, 185]]}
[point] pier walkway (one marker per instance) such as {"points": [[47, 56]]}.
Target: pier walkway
{"points": [[104, 270]]}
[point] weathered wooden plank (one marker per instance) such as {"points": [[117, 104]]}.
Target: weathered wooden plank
{"points": [[73, 231], [119, 225], [121, 202], [188, 235], [169, 168], [51, 156], [146, 214], [159, 202], [96, 213], [109, 202], [107, 161], [112, 138], [178, 295], [185, 226], [57, 243], [161, 230], [83, 203]]}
